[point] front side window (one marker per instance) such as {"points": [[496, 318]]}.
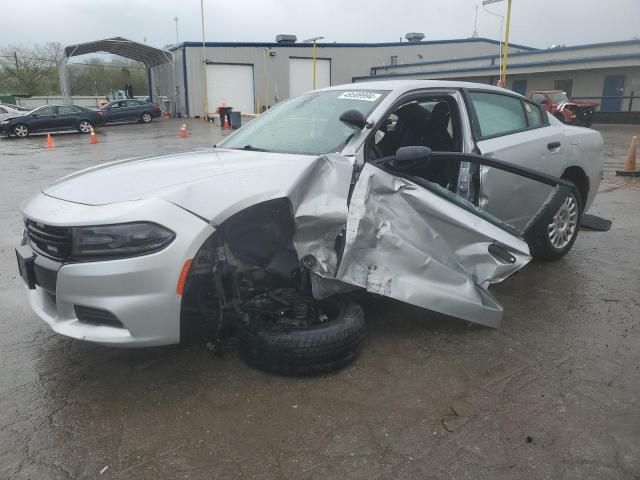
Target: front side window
{"points": [[45, 111], [498, 114], [309, 124]]}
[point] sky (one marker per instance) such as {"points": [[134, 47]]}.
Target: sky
{"points": [[538, 23]]}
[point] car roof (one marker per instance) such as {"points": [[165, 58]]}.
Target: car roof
{"points": [[401, 86]]}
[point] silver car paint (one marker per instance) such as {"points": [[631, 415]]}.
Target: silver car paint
{"points": [[209, 186], [405, 242]]}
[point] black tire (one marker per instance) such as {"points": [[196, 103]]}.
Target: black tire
{"points": [[542, 247], [146, 117], [84, 126], [21, 127], [306, 350]]}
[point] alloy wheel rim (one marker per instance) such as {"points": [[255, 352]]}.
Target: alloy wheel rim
{"points": [[85, 127], [146, 117], [564, 224], [21, 131]]}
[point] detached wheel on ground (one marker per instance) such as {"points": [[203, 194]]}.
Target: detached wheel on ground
{"points": [[288, 333], [84, 126], [146, 117], [561, 232], [21, 130]]}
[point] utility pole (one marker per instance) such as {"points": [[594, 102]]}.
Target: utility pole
{"points": [[175, 19], [265, 51], [15, 56], [475, 25]]}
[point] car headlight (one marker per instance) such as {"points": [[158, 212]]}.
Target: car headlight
{"points": [[5, 122], [119, 240]]}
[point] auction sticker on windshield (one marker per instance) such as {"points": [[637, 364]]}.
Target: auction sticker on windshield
{"points": [[365, 96]]}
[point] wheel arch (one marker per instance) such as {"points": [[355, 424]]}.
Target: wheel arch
{"points": [[580, 179], [196, 317]]}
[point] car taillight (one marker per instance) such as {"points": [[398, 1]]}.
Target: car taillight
{"points": [[100, 114], [156, 106]]}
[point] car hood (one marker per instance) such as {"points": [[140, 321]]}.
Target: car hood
{"points": [[172, 175]]}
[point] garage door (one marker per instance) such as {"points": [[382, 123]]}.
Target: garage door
{"points": [[233, 84], [301, 75]]}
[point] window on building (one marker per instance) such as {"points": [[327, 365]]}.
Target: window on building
{"points": [[564, 85], [394, 60]]}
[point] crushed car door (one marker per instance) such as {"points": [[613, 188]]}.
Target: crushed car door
{"points": [[410, 239]]}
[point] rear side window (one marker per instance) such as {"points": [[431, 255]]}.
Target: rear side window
{"points": [[67, 109], [534, 115], [498, 114]]}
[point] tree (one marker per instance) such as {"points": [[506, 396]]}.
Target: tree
{"points": [[30, 71]]}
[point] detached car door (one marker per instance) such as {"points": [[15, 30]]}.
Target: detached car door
{"points": [[413, 240]]}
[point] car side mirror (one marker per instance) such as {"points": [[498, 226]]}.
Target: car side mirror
{"points": [[407, 158], [353, 119], [34, 115]]}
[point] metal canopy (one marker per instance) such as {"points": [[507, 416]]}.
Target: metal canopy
{"points": [[149, 56]]}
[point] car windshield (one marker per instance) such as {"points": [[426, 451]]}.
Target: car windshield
{"points": [[308, 124], [558, 97]]}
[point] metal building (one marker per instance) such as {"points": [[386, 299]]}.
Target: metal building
{"points": [[250, 76]]}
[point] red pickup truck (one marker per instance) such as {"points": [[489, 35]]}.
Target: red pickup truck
{"points": [[569, 111]]}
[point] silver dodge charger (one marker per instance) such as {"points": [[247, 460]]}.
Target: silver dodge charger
{"points": [[427, 192]]}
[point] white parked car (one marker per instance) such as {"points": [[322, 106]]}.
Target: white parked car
{"points": [[426, 192], [8, 110]]}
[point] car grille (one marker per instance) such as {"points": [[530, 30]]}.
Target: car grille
{"points": [[52, 242]]}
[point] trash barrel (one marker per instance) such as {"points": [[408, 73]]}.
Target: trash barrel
{"points": [[236, 120]]}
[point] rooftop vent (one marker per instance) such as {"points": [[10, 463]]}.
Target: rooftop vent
{"points": [[283, 38], [414, 37]]}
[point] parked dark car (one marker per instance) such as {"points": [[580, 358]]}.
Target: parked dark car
{"points": [[131, 110], [51, 118]]}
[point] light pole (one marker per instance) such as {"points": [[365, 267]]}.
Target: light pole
{"points": [[505, 45], [314, 40], [175, 19], [265, 50], [499, 38], [204, 63]]}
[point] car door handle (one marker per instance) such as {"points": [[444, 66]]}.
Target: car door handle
{"points": [[553, 145]]}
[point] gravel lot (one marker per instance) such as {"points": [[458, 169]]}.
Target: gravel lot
{"points": [[554, 394]]}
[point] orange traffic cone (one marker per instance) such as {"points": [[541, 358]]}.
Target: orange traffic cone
{"points": [[50, 143], [93, 139], [630, 163], [227, 125], [183, 131]]}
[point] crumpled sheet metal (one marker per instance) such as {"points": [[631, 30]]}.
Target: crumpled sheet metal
{"points": [[319, 202], [408, 243]]}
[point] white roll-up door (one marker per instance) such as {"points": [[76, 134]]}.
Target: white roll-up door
{"points": [[233, 84], [301, 75]]}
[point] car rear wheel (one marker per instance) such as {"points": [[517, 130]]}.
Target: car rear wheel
{"points": [[146, 117], [561, 232], [84, 126], [290, 334], [21, 130]]}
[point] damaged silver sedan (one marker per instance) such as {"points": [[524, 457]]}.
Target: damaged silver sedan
{"points": [[393, 188]]}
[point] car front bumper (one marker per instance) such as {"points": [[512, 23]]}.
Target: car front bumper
{"points": [[139, 291]]}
